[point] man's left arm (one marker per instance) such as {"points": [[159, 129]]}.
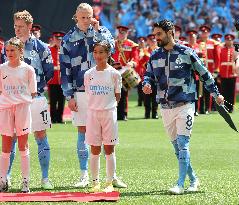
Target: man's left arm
{"points": [[205, 75], [47, 64]]}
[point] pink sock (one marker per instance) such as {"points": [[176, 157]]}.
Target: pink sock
{"points": [[95, 167], [25, 164], [110, 167], [5, 162]]}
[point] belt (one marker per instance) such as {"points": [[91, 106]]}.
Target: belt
{"points": [[56, 67], [174, 105], [227, 63], [209, 60]]}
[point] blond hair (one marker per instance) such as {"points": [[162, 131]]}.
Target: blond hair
{"points": [[24, 15], [17, 43], [82, 6]]}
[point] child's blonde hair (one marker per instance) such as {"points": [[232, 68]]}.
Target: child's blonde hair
{"points": [[24, 15], [16, 42]]}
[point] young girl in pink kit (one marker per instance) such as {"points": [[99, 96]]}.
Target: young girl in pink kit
{"points": [[103, 85], [18, 86]]}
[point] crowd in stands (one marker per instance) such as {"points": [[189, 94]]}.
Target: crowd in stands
{"points": [[139, 15]]}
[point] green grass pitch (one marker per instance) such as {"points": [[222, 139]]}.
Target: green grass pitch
{"points": [[146, 161]]}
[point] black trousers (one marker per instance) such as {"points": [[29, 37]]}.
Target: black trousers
{"points": [[140, 94], [204, 101], [196, 102], [150, 102], [57, 103], [122, 109], [228, 91], [217, 80]]}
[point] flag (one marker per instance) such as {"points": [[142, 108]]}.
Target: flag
{"points": [[223, 111]]}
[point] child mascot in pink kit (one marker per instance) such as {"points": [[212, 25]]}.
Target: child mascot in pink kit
{"points": [[103, 85], [18, 86]]}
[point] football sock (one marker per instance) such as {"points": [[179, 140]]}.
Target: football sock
{"points": [[25, 164], [110, 166], [5, 160], [191, 174], [43, 155], [95, 167], [183, 158], [82, 151]]}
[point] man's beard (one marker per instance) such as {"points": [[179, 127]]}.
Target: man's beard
{"points": [[163, 43]]}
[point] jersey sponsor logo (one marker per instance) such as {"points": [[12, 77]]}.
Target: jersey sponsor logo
{"points": [[15, 89], [100, 90]]}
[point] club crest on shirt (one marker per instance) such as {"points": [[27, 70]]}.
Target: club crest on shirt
{"points": [[33, 53], [178, 61]]}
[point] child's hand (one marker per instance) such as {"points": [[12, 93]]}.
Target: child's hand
{"points": [[117, 96], [72, 105], [33, 95]]}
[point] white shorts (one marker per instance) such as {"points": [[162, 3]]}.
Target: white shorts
{"points": [[102, 127], [79, 118], [16, 120], [41, 119], [179, 120]]}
